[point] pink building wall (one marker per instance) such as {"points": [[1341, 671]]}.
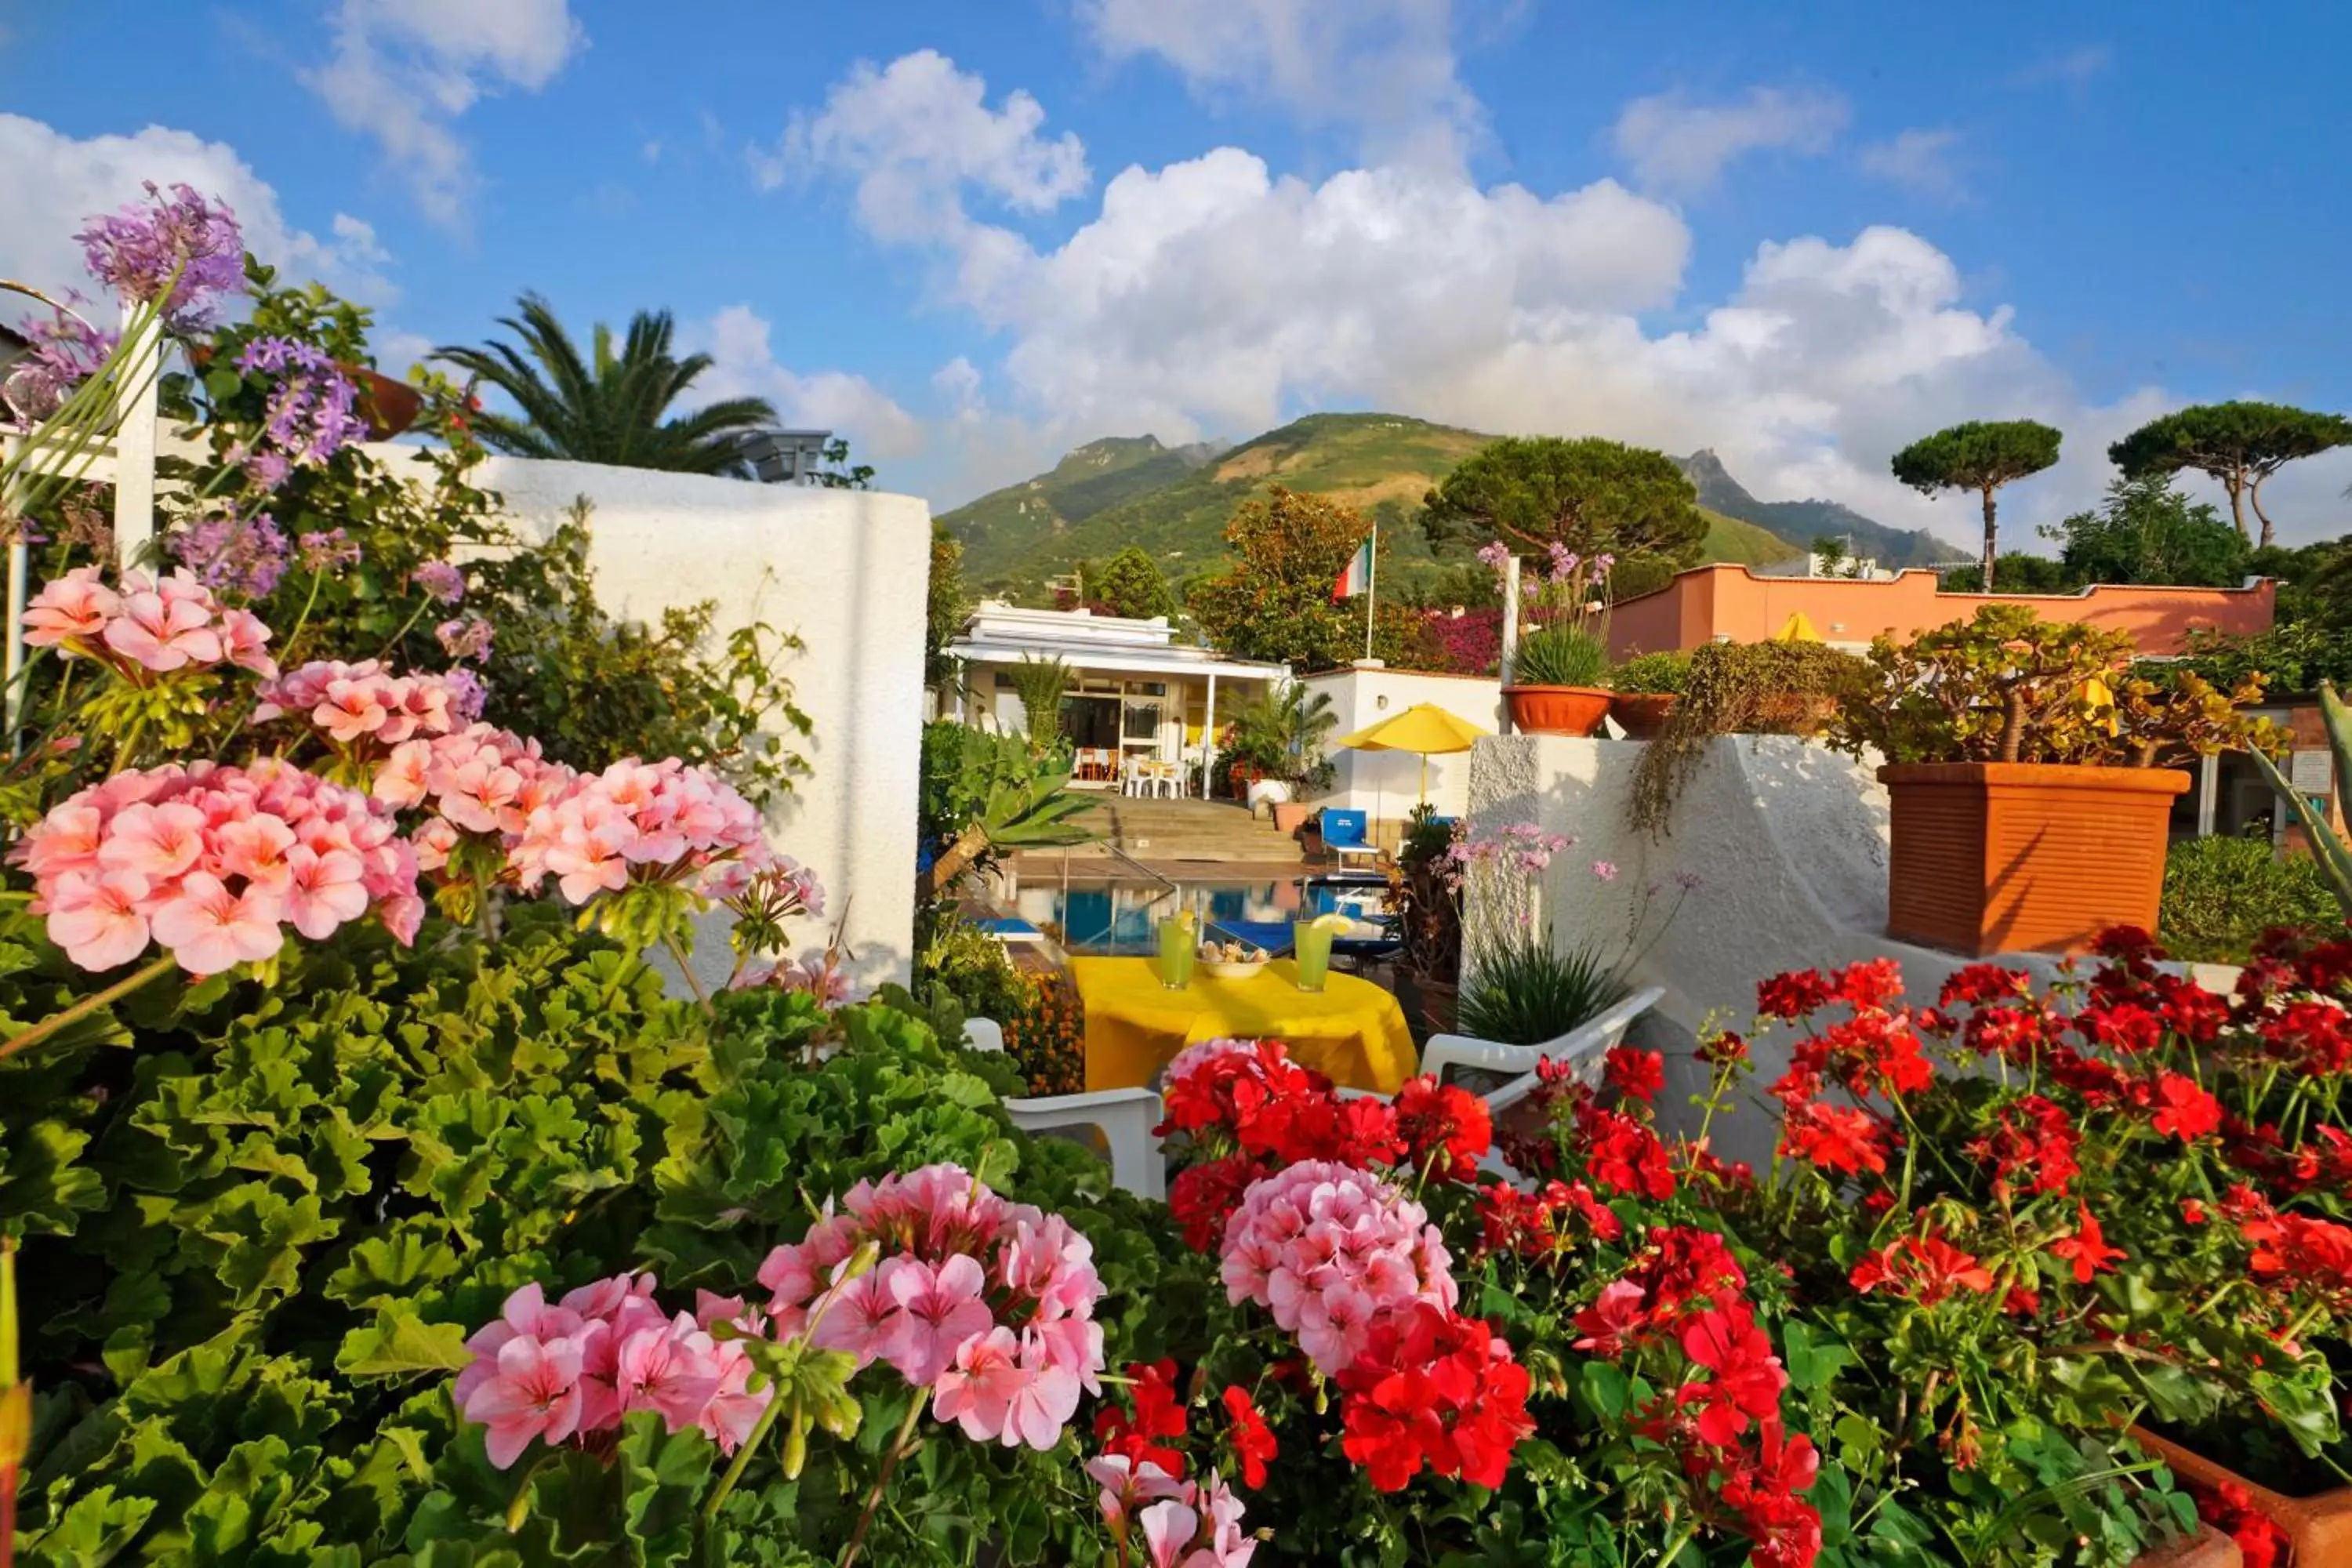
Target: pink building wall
{"points": [[1708, 602]]}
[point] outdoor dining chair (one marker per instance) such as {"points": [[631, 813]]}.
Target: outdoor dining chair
{"points": [[1581, 1049], [1125, 1117]]}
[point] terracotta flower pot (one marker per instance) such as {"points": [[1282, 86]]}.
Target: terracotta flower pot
{"points": [[1642, 714], [2025, 857], [2209, 1548], [2318, 1527], [1557, 709], [389, 406], [1290, 816]]}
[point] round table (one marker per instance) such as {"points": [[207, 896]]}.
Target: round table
{"points": [[1352, 1031]]}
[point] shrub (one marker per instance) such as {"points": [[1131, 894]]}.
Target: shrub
{"points": [[1559, 655], [1046, 1035], [2009, 687], [1662, 674], [1738, 688], [2221, 894], [1525, 993]]}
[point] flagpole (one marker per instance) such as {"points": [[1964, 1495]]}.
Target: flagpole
{"points": [[1372, 586]]}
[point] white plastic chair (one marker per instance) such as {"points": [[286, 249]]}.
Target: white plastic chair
{"points": [[1124, 1116], [1581, 1049]]}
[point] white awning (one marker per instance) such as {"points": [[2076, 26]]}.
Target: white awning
{"points": [[1119, 661]]}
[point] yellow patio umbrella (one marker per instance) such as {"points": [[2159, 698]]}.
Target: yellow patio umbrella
{"points": [[1798, 627], [1424, 728]]}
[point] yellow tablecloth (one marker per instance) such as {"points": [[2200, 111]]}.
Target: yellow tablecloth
{"points": [[1351, 1030]]}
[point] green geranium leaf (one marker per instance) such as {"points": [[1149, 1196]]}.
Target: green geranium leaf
{"points": [[398, 1344]]}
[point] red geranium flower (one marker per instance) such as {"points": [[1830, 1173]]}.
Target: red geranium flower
{"points": [[1636, 1075], [1793, 994], [1748, 1377], [1615, 1321], [2188, 1112], [1203, 1197], [1157, 1413], [1431, 1118], [1434, 1389], [1835, 1138], [1252, 1438], [1623, 1155], [2088, 1248], [1926, 1268]]}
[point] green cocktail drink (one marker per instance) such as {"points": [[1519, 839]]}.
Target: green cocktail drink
{"points": [[1176, 950], [1311, 945]]}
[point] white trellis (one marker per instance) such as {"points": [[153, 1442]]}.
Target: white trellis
{"points": [[126, 462]]}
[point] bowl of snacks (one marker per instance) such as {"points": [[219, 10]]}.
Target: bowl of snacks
{"points": [[1232, 960]]}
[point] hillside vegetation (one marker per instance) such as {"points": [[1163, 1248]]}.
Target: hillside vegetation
{"points": [[1173, 502]]}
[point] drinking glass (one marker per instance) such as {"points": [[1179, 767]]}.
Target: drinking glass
{"points": [[1311, 943], [1175, 951]]}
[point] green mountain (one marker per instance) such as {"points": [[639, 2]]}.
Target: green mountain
{"points": [[1174, 502], [1802, 521]]}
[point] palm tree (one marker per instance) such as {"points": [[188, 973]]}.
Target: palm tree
{"points": [[608, 407]]}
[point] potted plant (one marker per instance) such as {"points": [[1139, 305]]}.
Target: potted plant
{"points": [[1645, 689], [2020, 763], [1558, 684], [1555, 680], [1281, 731]]}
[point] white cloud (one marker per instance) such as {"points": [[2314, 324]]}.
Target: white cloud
{"points": [[1924, 161], [744, 365], [1213, 297], [50, 183], [2072, 67], [914, 137], [1674, 144], [1382, 69], [403, 71]]}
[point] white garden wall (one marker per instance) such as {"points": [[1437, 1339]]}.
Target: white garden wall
{"points": [[1386, 785], [1790, 842], [845, 570]]}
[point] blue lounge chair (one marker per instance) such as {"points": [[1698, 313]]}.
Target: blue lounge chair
{"points": [[1343, 835]]}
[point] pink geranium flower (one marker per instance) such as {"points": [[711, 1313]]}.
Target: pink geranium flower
{"points": [[940, 1308], [535, 1393], [978, 1390], [159, 842], [99, 920], [669, 1368], [76, 605], [211, 930], [322, 891], [164, 629]]}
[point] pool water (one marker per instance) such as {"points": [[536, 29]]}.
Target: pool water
{"points": [[1123, 917]]}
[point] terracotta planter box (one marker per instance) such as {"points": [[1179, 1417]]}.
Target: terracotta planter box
{"points": [[1290, 816], [2025, 857], [2318, 1527], [2207, 1549], [389, 406], [1642, 714], [1557, 709]]}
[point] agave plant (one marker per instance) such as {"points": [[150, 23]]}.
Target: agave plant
{"points": [[2334, 855]]}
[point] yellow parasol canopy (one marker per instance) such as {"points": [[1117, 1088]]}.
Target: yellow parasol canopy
{"points": [[1424, 728], [1798, 627]]}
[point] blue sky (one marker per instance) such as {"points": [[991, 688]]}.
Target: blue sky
{"points": [[972, 235]]}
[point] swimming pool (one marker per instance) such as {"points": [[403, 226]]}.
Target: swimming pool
{"points": [[1123, 917]]}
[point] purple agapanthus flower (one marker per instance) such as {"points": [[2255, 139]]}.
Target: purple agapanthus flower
{"points": [[232, 554], [467, 639], [440, 580], [325, 551], [1496, 554], [466, 694], [178, 242], [311, 415], [66, 351]]}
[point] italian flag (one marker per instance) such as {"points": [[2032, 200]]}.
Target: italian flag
{"points": [[1357, 575]]}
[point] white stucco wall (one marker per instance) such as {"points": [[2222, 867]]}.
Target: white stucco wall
{"points": [[1387, 785], [845, 571], [1790, 841]]}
